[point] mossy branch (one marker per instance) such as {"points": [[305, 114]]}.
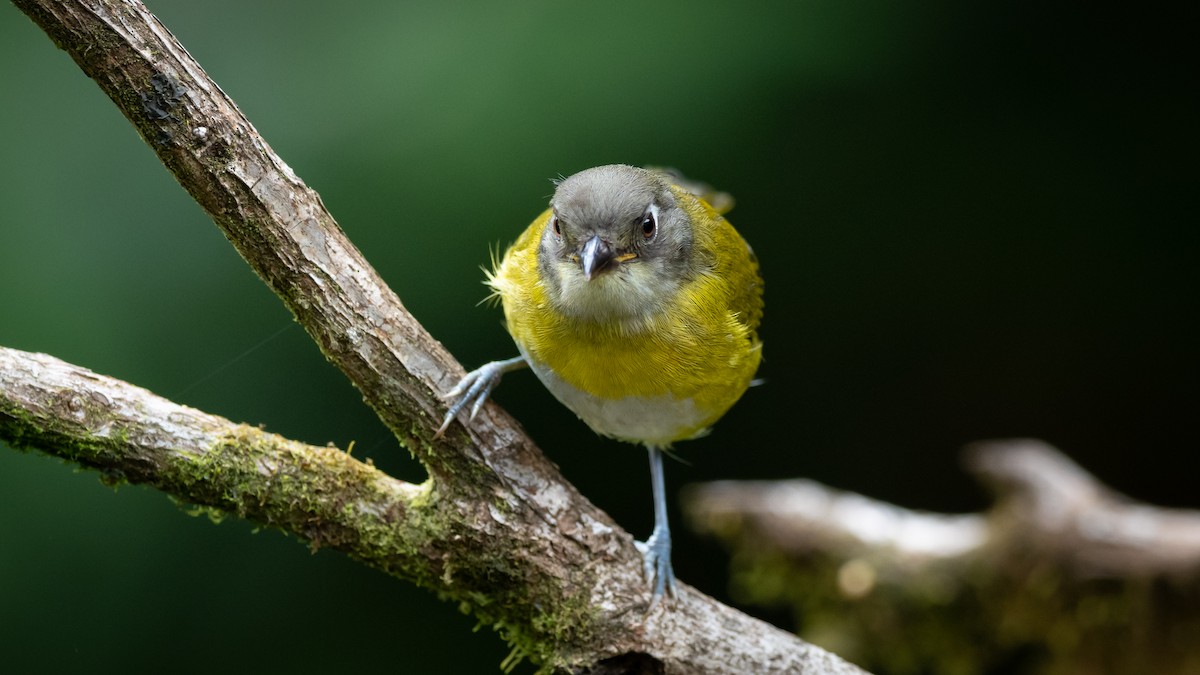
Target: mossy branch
{"points": [[129, 434], [496, 527]]}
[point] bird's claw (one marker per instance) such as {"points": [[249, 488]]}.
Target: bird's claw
{"points": [[473, 389], [656, 565]]}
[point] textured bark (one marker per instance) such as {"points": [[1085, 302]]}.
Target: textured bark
{"points": [[496, 527]]}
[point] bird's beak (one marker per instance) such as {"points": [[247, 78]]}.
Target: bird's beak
{"points": [[596, 256]]}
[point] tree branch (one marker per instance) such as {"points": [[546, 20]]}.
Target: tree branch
{"points": [[1047, 501], [129, 434], [1092, 579], [496, 527]]}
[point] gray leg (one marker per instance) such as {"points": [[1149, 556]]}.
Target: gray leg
{"points": [[656, 551], [476, 386]]}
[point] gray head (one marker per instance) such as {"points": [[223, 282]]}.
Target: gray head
{"points": [[617, 246]]}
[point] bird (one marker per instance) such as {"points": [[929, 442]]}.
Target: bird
{"points": [[637, 305]]}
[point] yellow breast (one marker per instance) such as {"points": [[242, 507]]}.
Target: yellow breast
{"points": [[658, 378]]}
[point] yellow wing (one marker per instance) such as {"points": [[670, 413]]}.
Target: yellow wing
{"points": [[730, 258]]}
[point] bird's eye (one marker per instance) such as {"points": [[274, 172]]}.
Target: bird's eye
{"points": [[649, 224], [555, 226]]}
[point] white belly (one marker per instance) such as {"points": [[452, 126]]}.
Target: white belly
{"points": [[652, 421]]}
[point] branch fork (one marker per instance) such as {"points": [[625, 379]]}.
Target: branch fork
{"points": [[495, 527]]}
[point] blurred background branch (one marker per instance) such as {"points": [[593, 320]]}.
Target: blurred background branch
{"points": [[1062, 575]]}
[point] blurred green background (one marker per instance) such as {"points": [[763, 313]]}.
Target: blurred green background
{"points": [[972, 221]]}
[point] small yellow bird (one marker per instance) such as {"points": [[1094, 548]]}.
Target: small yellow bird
{"points": [[636, 304]]}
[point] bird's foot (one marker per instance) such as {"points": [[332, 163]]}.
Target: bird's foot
{"points": [[656, 564], [474, 389]]}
